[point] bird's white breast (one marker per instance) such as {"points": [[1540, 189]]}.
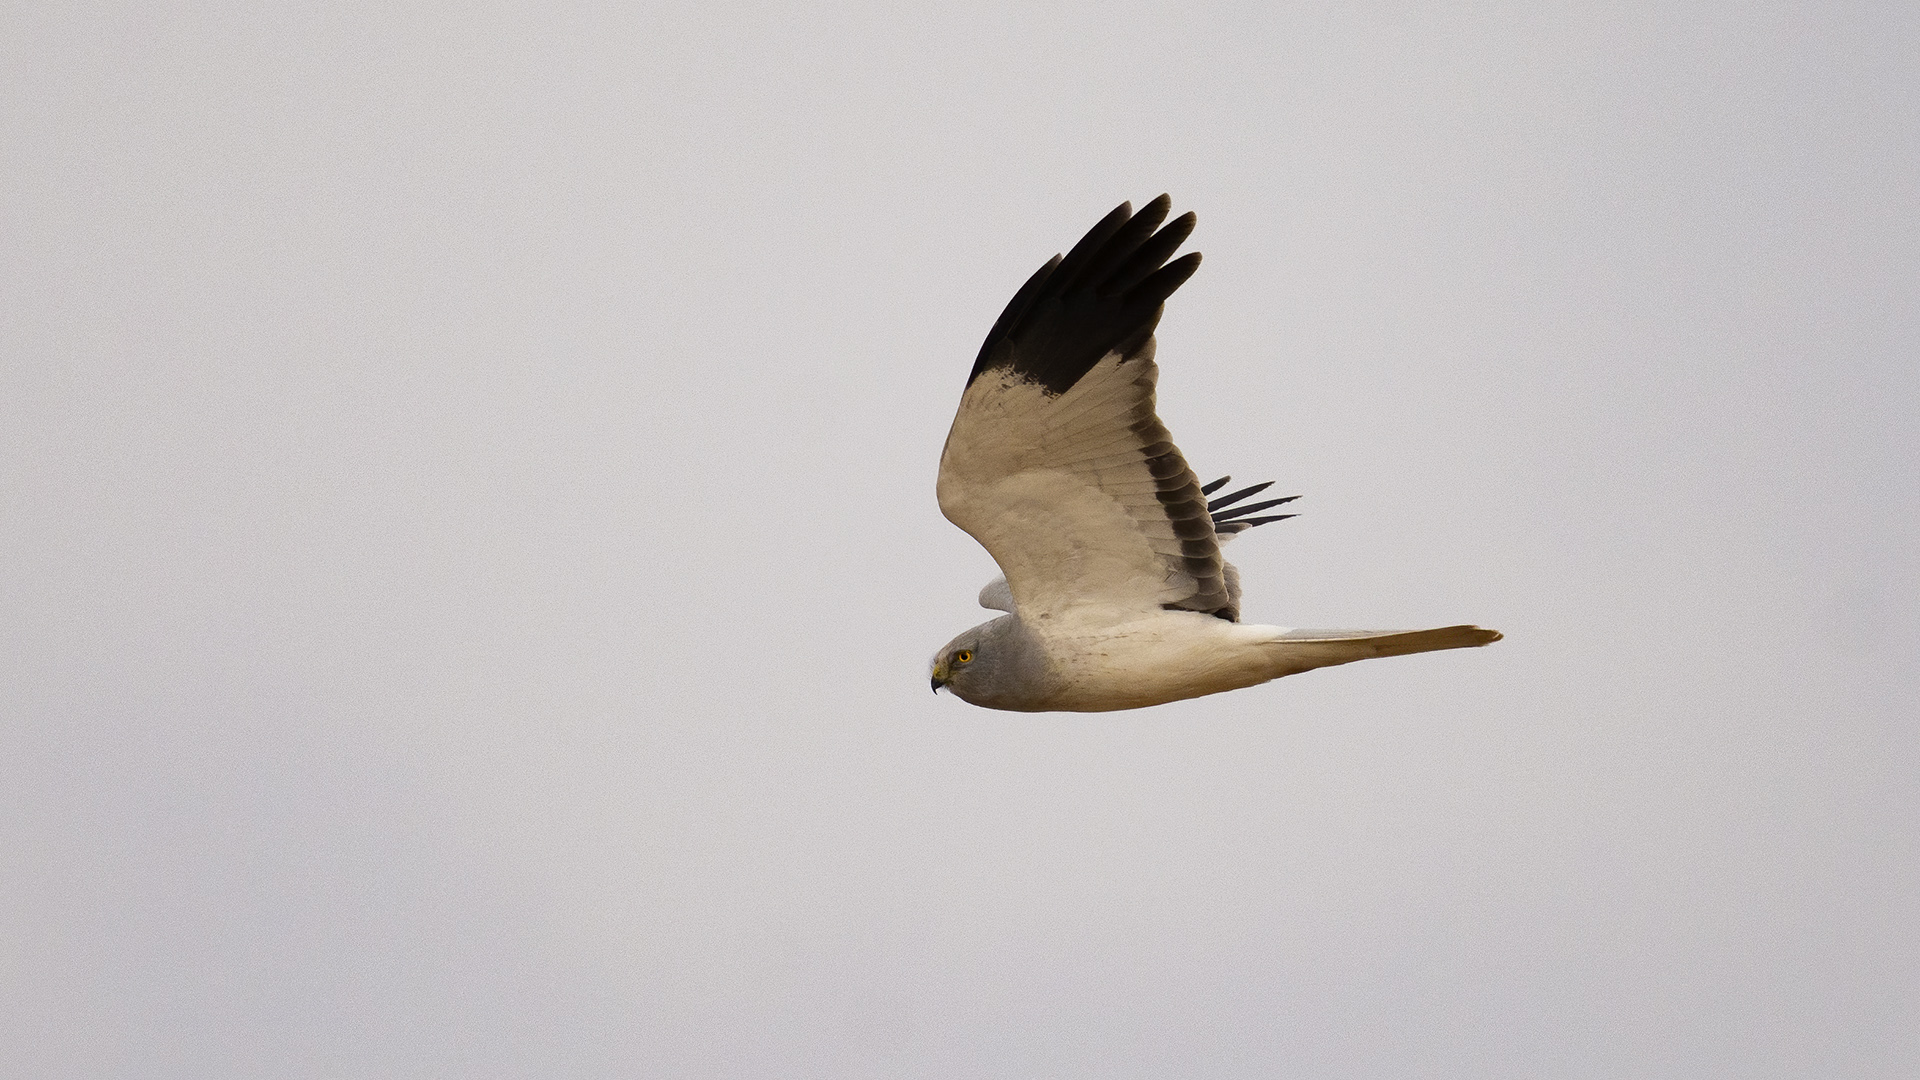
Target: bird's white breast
{"points": [[1110, 661]]}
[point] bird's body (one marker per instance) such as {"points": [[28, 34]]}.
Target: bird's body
{"points": [[1104, 658], [1115, 591], [1100, 659]]}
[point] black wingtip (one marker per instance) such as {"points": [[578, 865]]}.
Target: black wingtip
{"points": [[1229, 500], [1162, 282], [1254, 508], [1104, 295], [1230, 520]]}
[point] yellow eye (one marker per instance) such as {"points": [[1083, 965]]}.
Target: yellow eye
{"points": [[962, 656]]}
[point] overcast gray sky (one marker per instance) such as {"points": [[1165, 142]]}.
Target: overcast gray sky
{"points": [[470, 555]]}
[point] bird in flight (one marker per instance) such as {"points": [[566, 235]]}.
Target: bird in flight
{"points": [[1115, 593]]}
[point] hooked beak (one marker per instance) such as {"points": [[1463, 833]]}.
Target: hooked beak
{"points": [[939, 677]]}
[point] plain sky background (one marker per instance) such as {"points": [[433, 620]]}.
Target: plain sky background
{"points": [[470, 555]]}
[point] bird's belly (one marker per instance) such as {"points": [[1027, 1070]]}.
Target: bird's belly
{"points": [[1157, 660]]}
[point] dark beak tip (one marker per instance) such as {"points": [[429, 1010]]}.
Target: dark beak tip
{"points": [[936, 686]]}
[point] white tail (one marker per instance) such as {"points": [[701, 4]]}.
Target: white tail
{"points": [[1303, 650]]}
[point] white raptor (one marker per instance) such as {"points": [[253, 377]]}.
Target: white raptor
{"points": [[1115, 593]]}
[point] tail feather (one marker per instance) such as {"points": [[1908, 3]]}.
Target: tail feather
{"points": [[1303, 650]]}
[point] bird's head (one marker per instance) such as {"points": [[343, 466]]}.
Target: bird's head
{"points": [[996, 664], [955, 664]]}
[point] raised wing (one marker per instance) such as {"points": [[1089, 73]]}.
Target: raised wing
{"points": [[1056, 462]]}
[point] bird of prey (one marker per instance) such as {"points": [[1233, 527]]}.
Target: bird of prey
{"points": [[1115, 593]]}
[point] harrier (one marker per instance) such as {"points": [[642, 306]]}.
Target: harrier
{"points": [[1115, 593]]}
